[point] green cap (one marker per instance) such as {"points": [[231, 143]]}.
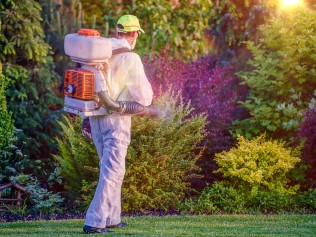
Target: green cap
{"points": [[128, 23]]}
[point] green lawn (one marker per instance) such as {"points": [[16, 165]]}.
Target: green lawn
{"points": [[216, 225]]}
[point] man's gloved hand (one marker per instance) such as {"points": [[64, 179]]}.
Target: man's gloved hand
{"points": [[86, 128]]}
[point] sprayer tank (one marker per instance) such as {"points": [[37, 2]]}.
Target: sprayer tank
{"points": [[91, 49]]}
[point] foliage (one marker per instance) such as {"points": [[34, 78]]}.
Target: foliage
{"points": [[43, 201], [47, 202], [21, 211], [220, 198], [12, 160], [211, 90], [216, 94], [29, 69], [232, 22], [216, 199], [78, 160], [307, 133], [258, 166], [6, 123], [270, 202], [160, 159], [306, 201], [281, 83], [61, 18], [183, 36]]}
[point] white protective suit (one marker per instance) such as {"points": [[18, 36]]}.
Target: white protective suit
{"points": [[111, 135]]}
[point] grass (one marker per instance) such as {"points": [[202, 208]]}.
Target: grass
{"points": [[215, 225]]}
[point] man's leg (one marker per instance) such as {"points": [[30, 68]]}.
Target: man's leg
{"points": [[105, 208]]}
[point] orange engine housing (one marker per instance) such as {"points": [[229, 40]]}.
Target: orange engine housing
{"points": [[79, 84]]}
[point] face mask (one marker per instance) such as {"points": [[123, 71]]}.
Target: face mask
{"points": [[133, 45]]}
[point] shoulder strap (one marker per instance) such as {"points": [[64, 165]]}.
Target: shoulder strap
{"points": [[121, 50]]}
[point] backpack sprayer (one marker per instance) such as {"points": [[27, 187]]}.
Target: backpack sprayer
{"points": [[85, 86]]}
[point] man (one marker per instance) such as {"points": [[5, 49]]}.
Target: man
{"points": [[111, 133]]}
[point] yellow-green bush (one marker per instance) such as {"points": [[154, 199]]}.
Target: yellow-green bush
{"points": [[258, 165]]}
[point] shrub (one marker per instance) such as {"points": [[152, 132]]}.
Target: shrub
{"points": [[258, 165], [159, 164], [216, 199], [161, 157], [306, 201], [43, 201], [220, 198], [307, 133], [78, 159], [269, 202], [282, 76]]}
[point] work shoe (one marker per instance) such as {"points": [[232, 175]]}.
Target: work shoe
{"points": [[119, 225], [94, 230]]}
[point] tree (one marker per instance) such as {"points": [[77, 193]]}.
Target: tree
{"points": [[31, 78]]}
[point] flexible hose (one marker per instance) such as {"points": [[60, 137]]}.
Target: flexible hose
{"points": [[126, 107]]}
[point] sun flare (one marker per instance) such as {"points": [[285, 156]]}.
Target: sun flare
{"points": [[289, 3]]}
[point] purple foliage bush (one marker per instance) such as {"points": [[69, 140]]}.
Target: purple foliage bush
{"points": [[165, 72], [210, 89], [307, 132]]}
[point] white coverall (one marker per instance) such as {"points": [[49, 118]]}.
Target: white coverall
{"points": [[111, 135]]}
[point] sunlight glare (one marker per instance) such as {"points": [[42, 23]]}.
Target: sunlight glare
{"points": [[289, 3]]}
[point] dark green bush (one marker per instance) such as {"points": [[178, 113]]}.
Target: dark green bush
{"points": [[269, 202], [159, 164], [219, 198], [306, 201], [216, 199]]}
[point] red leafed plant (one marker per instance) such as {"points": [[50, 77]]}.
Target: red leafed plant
{"points": [[210, 89], [307, 132]]}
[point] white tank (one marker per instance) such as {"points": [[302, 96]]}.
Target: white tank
{"points": [[87, 46]]}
